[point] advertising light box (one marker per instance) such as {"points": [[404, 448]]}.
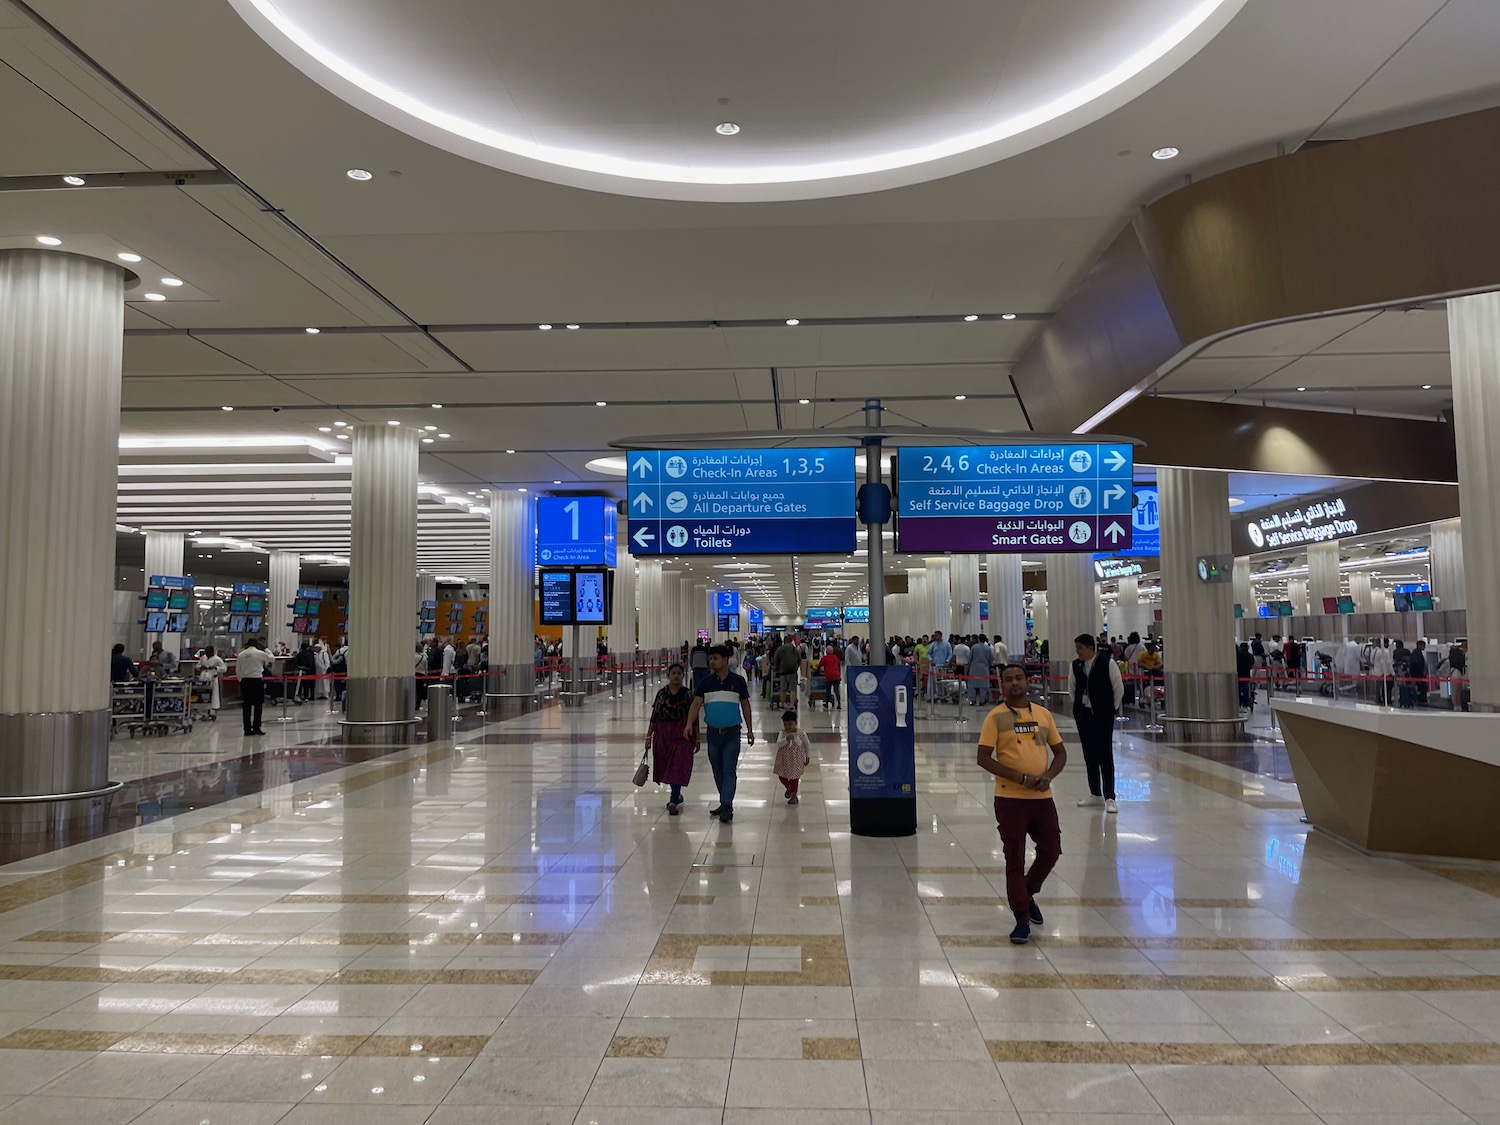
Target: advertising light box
{"points": [[1062, 497], [741, 501]]}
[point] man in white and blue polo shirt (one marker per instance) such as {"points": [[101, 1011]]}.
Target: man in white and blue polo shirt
{"points": [[724, 699]]}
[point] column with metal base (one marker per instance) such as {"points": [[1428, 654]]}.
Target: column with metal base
{"points": [[939, 594], [1202, 696], [164, 555], [284, 573], [512, 685], [381, 708], [61, 333], [965, 594], [1070, 613], [1007, 602], [1474, 350]]}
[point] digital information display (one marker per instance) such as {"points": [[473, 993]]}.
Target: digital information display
{"points": [[575, 531], [729, 623], [589, 607], [1008, 499], [757, 619], [742, 501], [856, 615], [726, 601], [555, 589], [156, 599]]}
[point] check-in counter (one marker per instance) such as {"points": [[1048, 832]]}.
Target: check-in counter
{"points": [[1397, 782]]}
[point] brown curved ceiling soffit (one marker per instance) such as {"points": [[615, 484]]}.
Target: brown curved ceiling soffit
{"points": [[1389, 220]]}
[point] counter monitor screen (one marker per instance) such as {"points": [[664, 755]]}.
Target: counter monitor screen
{"points": [[156, 599], [299, 624], [254, 624], [237, 603], [1422, 603], [1330, 605], [237, 625], [1285, 609], [1346, 604], [177, 623], [177, 599], [255, 605], [300, 607], [1401, 602], [156, 622]]}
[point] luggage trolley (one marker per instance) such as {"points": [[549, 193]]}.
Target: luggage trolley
{"points": [[127, 707], [200, 701], [169, 708]]}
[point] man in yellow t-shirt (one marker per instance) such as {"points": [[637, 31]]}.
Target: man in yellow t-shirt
{"points": [[1014, 745]]}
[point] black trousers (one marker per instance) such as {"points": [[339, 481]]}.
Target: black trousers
{"points": [[252, 701], [1096, 735]]}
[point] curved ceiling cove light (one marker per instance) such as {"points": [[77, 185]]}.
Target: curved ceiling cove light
{"points": [[554, 111]]}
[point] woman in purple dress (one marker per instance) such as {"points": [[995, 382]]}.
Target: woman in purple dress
{"points": [[671, 752]]}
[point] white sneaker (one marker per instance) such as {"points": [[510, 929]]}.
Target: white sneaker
{"points": [[1091, 802], [1110, 806]]}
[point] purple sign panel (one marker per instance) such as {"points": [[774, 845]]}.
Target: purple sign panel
{"points": [[1052, 534]]}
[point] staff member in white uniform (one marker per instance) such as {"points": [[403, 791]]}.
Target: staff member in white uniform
{"points": [[210, 667], [250, 669]]}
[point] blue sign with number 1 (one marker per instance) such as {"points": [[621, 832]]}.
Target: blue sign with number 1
{"points": [[575, 531]]}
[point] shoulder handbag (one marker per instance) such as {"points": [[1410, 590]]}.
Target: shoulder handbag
{"points": [[642, 771]]}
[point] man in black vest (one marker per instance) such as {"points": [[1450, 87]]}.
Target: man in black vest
{"points": [[1098, 691]]}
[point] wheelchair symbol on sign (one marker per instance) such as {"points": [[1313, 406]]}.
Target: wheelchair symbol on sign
{"points": [[677, 535]]}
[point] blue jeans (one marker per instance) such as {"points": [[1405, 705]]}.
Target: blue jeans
{"points": [[835, 690], [724, 760]]}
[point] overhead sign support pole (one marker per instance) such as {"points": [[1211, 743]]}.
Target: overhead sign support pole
{"points": [[875, 537]]}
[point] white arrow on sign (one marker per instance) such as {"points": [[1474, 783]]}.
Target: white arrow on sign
{"points": [[643, 501], [643, 466], [1115, 460], [643, 538], [1112, 493], [1114, 532]]}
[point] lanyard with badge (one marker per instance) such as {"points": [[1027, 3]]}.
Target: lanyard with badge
{"points": [[1029, 727]]}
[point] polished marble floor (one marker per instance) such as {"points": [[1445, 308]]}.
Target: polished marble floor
{"points": [[504, 929]]}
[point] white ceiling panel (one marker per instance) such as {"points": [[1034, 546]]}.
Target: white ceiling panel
{"points": [[1213, 373], [589, 350], [1296, 337], [301, 353], [178, 355], [1323, 370], [44, 138], [1416, 330], [903, 381]]}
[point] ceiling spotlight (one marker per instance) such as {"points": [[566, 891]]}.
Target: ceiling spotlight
{"points": [[312, 331], [325, 429], [959, 398], [972, 317], [794, 322], [445, 435], [804, 401], [510, 451], [520, 490], [437, 406], [341, 424], [360, 174], [545, 327], [171, 281], [75, 181], [342, 437], [393, 422], [726, 128], [557, 482], [127, 256], [427, 441], [154, 297], [571, 327], [1427, 386], [430, 429], [226, 408], [1007, 316], [601, 402], [1302, 388], [1165, 153], [48, 240]]}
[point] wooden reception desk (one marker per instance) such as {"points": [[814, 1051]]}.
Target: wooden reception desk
{"points": [[1397, 782]]}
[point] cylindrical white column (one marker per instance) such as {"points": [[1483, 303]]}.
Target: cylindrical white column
{"points": [[1040, 618], [1130, 591], [1198, 616], [940, 593], [1474, 350], [964, 576], [164, 556], [1007, 600], [653, 607], [622, 626], [1244, 594], [382, 561], [1296, 593], [672, 626], [281, 585], [61, 332], [918, 621], [698, 607], [512, 613], [895, 617], [1447, 558], [1361, 591], [1071, 612], [1323, 578]]}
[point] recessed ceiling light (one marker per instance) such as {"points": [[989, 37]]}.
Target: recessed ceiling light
{"points": [[804, 401], [520, 490], [342, 437], [226, 408], [127, 256], [557, 482], [1007, 316], [726, 128], [430, 429], [360, 174], [427, 441], [1427, 386], [312, 331], [341, 424], [601, 402], [1165, 153], [393, 422], [510, 451], [174, 282], [793, 321], [76, 181], [572, 327], [445, 435], [1302, 388], [972, 317], [325, 429], [545, 327], [48, 240], [959, 398], [154, 296]]}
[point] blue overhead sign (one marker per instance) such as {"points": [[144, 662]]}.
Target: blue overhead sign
{"points": [[757, 618], [575, 531], [1014, 498], [726, 601], [856, 615], [741, 501], [824, 615]]}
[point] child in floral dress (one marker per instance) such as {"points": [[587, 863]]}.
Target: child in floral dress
{"points": [[792, 755]]}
